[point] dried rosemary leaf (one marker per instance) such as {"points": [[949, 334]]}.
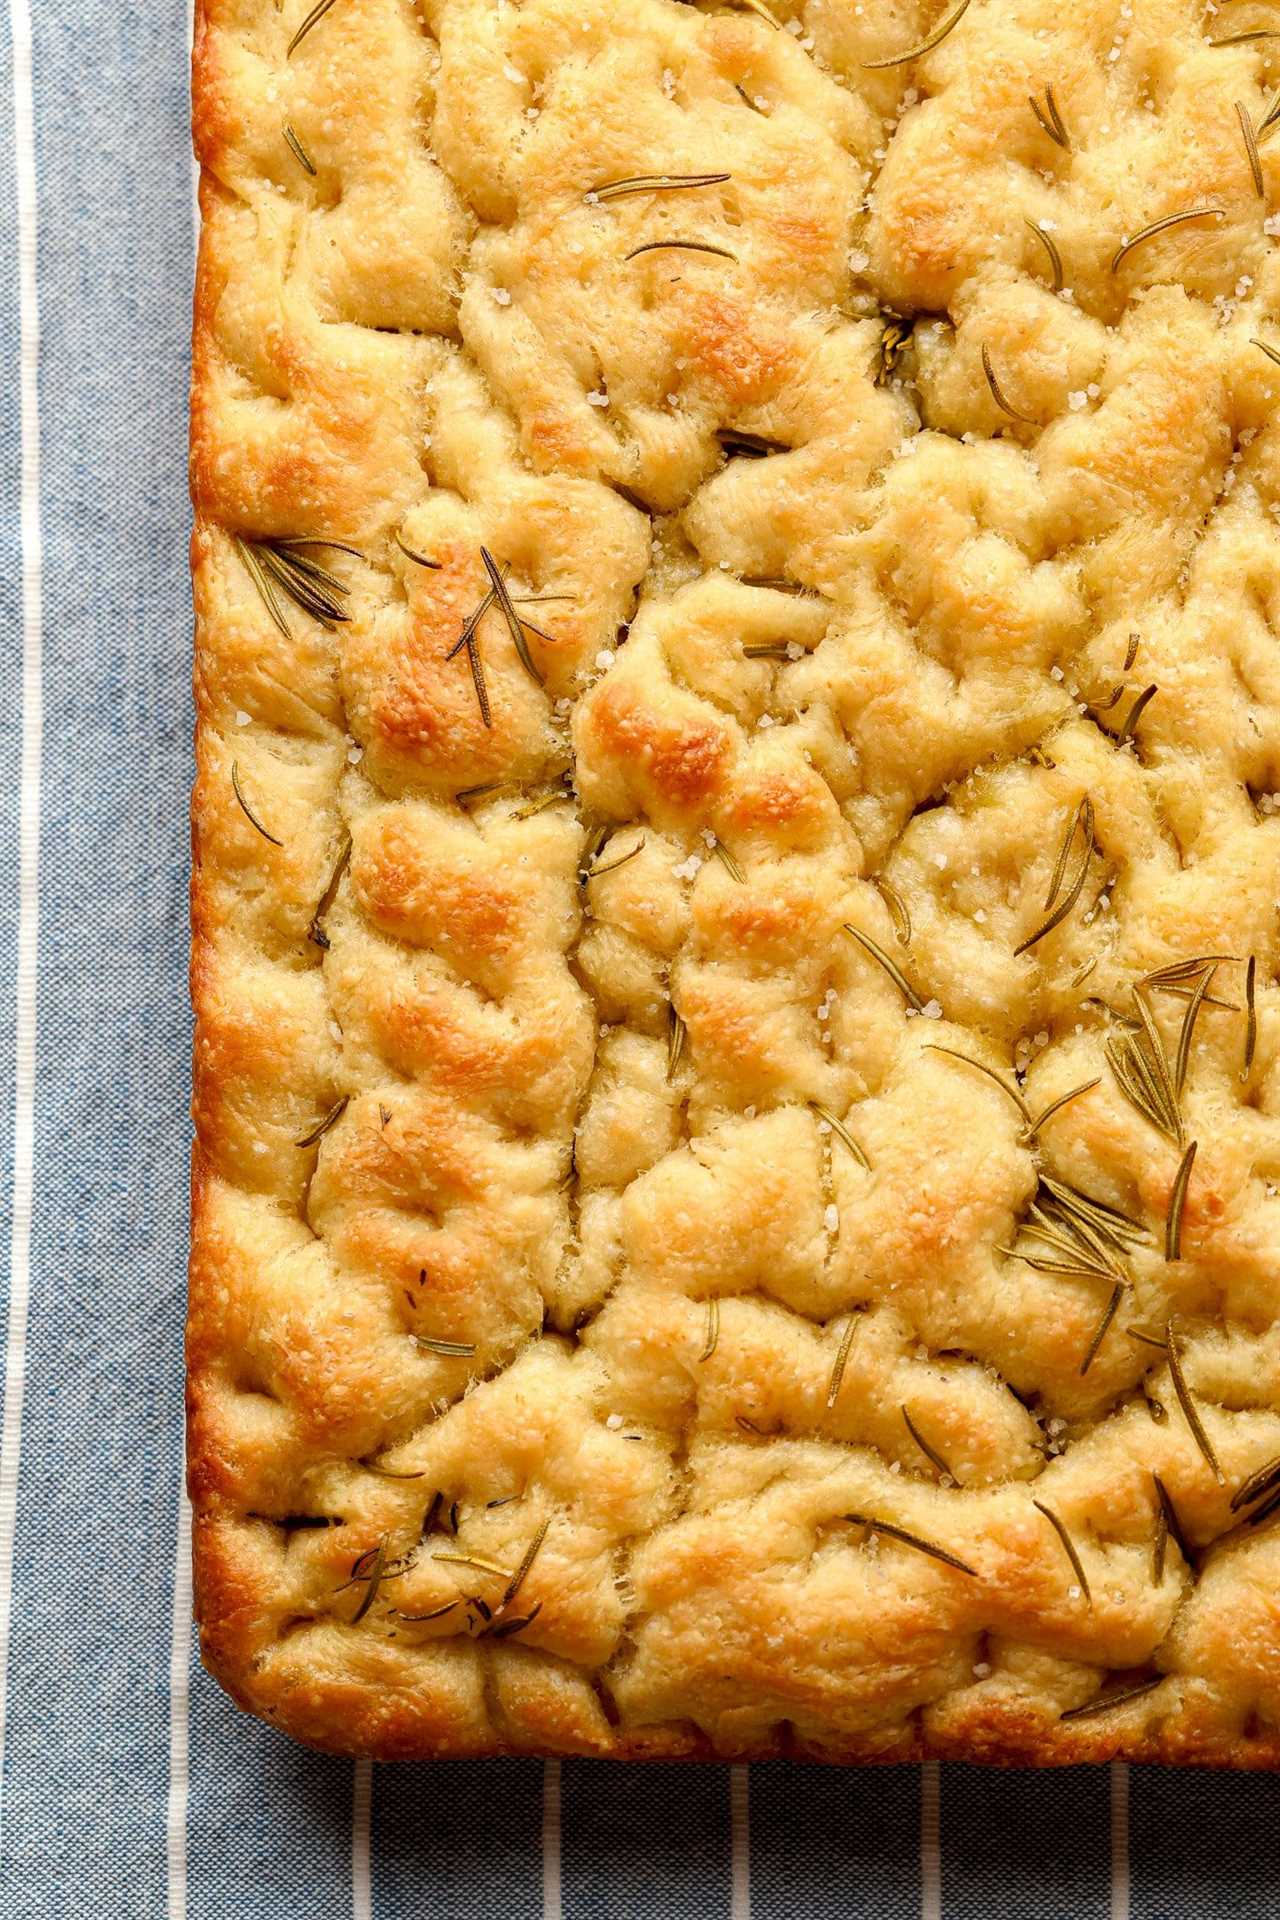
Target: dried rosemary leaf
{"points": [[1177, 1202], [315, 931], [1068, 1547], [654, 183], [518, 1578], [921, 1545], [503, 1629], [1011, 1093], [476, 1561], [1082, 818], [890, 966], [298, 151], [728, 862], [515, 627], [842, 1134], [1100, 1331], [316, 14], [611, 866], [679, 246], [1050, 246], [1063, 1100], [373, 1577], [897, 910], [331, 1119], [1172, 1523], [446, 1349], [1136, 711], [247, 810], [677, 1033], [1050, 119], [842, 1359], [1104, 1702], [929, 1451], [1190, 1411], [712, 1340], [997, 392], [1126, 247], [418, 559], [1250, 1015], [1261, 1481], [923, 46], [1251, 149], [436, 1613]]}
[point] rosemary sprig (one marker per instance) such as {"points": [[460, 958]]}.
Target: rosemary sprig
{"points": [[1172, 1525], [282, 566], [518, 1578], [842, 1359], [418, 559], [1050, 119], [1142, 1073], [894, 339], [1126, 247], [1263, 1480], [315, 931], [679, 246], [930, 1452], [842, 1134], [897, 910], [298, 151], [1011, 1093], [1190, 1411], [1177, 1202], [515, 627], [930, 1547], [611, 866], [1068, 1547], [677, 1033], [322, 1127], [712, 1340], [654, 183], [247, 810], [997, 393], [1250, 1015], [1114, 1227], [1251, 149], [890, 966], [376, 1569], [1100, 1331], [1104, 1702], [923, 46], [1083, 818], [1050, 246], [728, 862], [316, 14]]}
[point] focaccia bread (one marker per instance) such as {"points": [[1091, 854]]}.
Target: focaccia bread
{"points": [[737, 862]]}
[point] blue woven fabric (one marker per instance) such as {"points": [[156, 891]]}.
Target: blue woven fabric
{"points": [[95, 1739]]}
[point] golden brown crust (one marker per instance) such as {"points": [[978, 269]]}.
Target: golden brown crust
{"points": [[890, 674]]}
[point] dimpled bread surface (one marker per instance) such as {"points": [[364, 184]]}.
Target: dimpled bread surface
{"points": [[646, 1297]]}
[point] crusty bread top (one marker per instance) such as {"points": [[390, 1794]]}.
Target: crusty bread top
{"points": [[620, 1322]]}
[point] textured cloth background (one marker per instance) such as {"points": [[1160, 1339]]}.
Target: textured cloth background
{"points": [[130, 1786]]}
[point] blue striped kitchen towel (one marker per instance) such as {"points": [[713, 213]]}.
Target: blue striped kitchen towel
{"points": [[130, 1786]]}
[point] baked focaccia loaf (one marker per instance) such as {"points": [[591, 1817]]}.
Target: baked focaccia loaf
{"points": [[737, 863]]}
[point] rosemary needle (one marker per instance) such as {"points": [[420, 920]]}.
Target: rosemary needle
{"points": [[446, 1349], [474, 1560], [1068, 1547], [1012, 1093], [1082, 817], [1173, 1525], [930, 1452], [315, 931], [1272, 353], [1177, 1201], [997, 393], [1251, 149], [1056, 1106], [1055, 258], [247, 810], [897, 911], [331, 1119], [1100, 1331], [890, 966], [712, 1340], [1050, 119], [611, 866], [1261, 1481], [503, 1629], [1162, 226], [677, 1033], [842, 1134], [298, 151], [934, 1551], [436, 1613], [1186, 1402], [1251, 1015], [924, 46], [419, 560], [316, 14], [515, 626], [517, 1579], [1183, 1057], [1103, 1703], [377, 1567], [728, 862], [842, 1359], [679, 246], [654, 183]]}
